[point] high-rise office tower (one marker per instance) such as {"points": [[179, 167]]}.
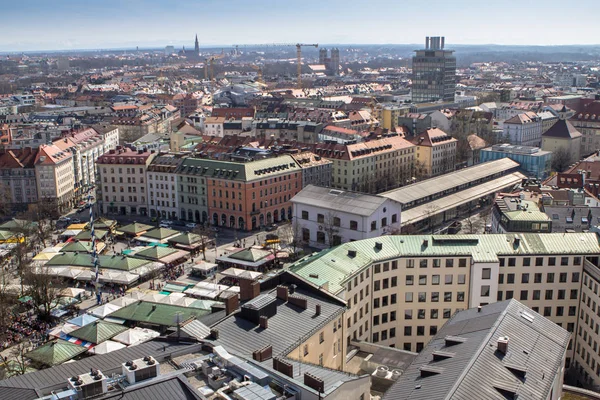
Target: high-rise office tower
{"points": [[433, 72]]}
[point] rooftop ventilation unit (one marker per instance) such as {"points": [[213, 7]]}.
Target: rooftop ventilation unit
{"points": [[88, 385], [140, 369]]}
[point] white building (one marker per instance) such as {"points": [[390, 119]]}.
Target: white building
{"points": [[163, 199], [524, 129], [328, 217], [55, 176]]}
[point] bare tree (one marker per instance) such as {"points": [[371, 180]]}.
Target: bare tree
{"points": [[43, 290], [331, 227], [19, 361], [206, 236], [291, 234], [561, 159]]}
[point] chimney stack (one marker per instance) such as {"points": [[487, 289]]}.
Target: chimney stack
{"points": [[479, 308], [282, 293], [317, 309], [249, 289], [231, 303], [263, 321], [503, 344]]}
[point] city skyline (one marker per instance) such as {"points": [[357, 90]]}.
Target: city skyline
{"points": [[64, 25]]}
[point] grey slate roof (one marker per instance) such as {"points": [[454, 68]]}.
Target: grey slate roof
{"points": [[49, 379], [171, 387], [242, 337], [336, 199], [477, 370], [575, 218]]}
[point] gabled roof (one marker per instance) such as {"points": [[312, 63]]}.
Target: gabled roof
{"points": [[562, 129], [186, 238], [135, 228], [98, 331], [158, 314], [55, 352], [156, 252], [472, 366], [160, 233], [251, 255], [335, 199]]}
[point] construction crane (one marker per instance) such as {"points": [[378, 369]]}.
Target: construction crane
{"points": [[209, 62], [298, 53]]}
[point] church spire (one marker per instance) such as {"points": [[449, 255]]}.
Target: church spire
{"points": [[197, 46]]}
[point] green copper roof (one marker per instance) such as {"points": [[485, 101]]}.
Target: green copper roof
{"points": [[160, 233], [55, 352], [251, 255], [157, 314], [156, 252], [18, 225], [87, 235], [248, 171], [98, 331], [5, 235], [186, 238], [336, 265], [122, 263], [135, 228]]}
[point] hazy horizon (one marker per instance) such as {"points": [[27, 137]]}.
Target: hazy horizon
{"points": [[67, 25]]}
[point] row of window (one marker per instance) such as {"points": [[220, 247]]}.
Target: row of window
{"points": [[434, 296], [548, 295], [539, 261], [537, 277]]}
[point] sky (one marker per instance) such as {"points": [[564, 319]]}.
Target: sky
{"points": [[29, 25]]}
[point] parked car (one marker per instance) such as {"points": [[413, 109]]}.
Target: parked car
{"points": [[75, 221], [190, 225], [163, 225], [271, 228], [64, 219]]}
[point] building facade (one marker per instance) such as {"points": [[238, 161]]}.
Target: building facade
{"points": [[433, 72], [122, 187], [55, 176], [524, 129], [401, 289], [534, 161], [163, 197], [316, 170], [328, 217], [436, 153]]}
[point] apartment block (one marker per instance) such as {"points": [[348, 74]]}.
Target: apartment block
{"points": [[162, 186], [122, 186], [373, 166], [55, 176], [524, 129], [436, 152], [400, 290]]}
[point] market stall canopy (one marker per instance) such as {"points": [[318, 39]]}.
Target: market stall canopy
{"points": [[241, 273], [82, 247], [135, 229], [158, 235], [82, 320], [103, 223], [106, 347], [104, 310], [71, 292], [77, 227], [154, 297], [71, 232], [55, 352], [158, 314], [87, 235], [163, 254], [44, 256], [123, 301], [134, 336], [63, 330], [18, 225], [98, 331]]}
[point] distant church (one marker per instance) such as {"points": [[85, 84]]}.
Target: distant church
{"points": [[192, 54]]}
